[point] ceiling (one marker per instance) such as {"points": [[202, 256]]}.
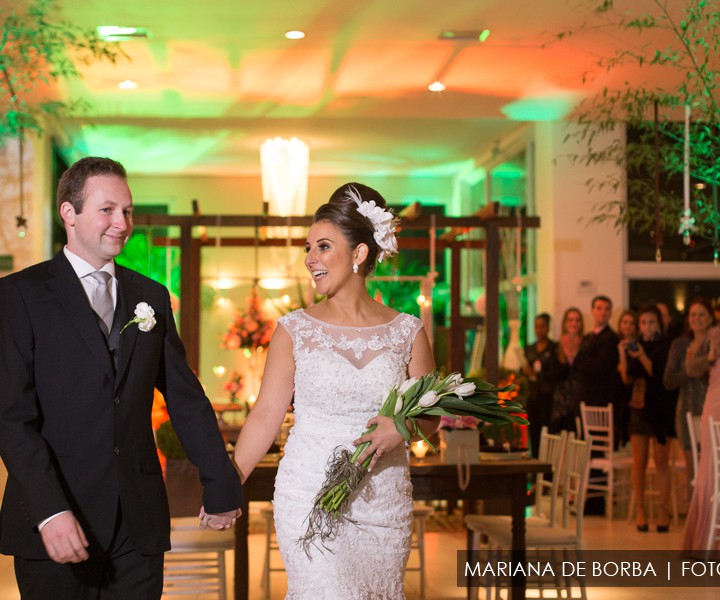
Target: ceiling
{"points": [[216, 78]]}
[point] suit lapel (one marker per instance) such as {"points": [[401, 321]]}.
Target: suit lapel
{"points": [[64, 282], [129, 294]]}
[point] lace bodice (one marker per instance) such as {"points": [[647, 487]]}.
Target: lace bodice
{"points": [[342, 377]]}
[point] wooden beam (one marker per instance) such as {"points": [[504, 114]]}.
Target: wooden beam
{"points": [[190, 267]]}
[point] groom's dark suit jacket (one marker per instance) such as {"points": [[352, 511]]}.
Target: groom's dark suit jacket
{"points": [[75, 428]]}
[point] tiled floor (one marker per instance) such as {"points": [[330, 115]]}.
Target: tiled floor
{"points": [[601, 534]]}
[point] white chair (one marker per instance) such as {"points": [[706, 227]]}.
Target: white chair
{"points": [[568, 535], [714, 529], [614, 482], [420, 514], [693, 423], [270, 545], [552, 449], [196, 562]]}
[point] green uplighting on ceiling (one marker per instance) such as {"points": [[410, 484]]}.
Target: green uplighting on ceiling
{"points": [[549, 108], [484, 34]]}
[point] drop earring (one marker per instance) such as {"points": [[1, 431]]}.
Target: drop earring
{"points": [[355, 268]]}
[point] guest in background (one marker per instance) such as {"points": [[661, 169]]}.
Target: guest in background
{"points": [[565, 399], [627, 330], [540, 370], [652, 411], [692, 389], [671, 326], [596, 362]]}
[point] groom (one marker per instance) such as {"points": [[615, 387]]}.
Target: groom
{"points": [[85, 511]]}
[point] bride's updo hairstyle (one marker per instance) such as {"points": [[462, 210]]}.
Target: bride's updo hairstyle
{"points": [[361, 215]]}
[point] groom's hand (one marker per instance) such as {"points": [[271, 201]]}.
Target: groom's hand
{"points": [[64, 539], [218, 521]]}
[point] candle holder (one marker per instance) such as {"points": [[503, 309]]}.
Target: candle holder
{"points": [[419, 449]]}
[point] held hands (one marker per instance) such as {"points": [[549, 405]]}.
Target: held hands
{"points": [[64, 539], [383, 439], [219, 521]]}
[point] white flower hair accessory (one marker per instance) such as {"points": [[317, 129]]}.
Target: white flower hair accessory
{"points": [[144, 317], [383, 221]]}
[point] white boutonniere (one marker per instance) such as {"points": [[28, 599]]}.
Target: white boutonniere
{"points": [[144, 317]]}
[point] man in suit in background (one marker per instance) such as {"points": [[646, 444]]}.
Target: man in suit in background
{"points": [[597, 360], [85, 509]]}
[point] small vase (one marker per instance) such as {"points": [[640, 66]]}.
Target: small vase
{"points": [[460, 446], [513, 357]]}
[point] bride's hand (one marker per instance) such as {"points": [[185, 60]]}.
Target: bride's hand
{"points": [[382, 440]]}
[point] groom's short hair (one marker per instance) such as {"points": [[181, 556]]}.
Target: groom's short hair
{"points": [[71, 187]]}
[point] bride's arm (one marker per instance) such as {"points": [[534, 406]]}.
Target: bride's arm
{"points": [[266, 417], [386, 436], [422, 362]]}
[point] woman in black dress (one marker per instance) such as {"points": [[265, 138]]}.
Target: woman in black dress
{"points": [[652, 411]]}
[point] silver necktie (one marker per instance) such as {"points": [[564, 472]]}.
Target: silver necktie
{"points": [[101, 300]]}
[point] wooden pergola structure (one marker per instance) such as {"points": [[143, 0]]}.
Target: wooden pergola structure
{"points": [[487, 220]]}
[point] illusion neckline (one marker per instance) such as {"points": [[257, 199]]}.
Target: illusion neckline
{"points": [[356, 327]]}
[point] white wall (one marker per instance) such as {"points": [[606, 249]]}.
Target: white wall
{"points": [[576, 260]]}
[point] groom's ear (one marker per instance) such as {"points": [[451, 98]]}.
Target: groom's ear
{"points": [[67, 214]]}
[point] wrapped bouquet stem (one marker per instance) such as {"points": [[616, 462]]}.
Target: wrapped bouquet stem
{"points": [[430, 395]]}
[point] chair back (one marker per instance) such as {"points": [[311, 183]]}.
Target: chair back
{"points": [[597, 424], [577, 468], [714, 529], [552, 450], [693, 423]]}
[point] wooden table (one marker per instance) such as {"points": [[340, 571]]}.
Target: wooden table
{"points": [[432, 479]]}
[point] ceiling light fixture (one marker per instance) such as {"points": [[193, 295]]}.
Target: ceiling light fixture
{"points": [[115, 33], [128, 84], [295, 34], [436, 86]]}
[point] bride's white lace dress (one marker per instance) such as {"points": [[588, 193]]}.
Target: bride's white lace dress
{"points": [[342, 377]]}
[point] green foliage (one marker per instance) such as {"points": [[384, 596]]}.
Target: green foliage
{"points": [[168, 441], [140, 255], [35, 51], [688, 63]]}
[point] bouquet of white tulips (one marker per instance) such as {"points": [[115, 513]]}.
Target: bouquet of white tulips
{"points": [[430, 395]]}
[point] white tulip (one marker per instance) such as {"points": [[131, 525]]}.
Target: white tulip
{"points": [[428, 399], [398, 404], [465, 389], [455, 379], [406, 385]]}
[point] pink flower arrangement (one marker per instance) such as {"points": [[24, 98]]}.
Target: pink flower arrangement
{"points": [[234, 386], [250, 329], [464, 422]]}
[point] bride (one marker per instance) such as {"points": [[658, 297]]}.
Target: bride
{"points": [[339, 359]]}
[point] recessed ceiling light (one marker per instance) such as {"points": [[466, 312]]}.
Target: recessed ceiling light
{"points": [[436, 86], [115, 33], [295, 35], [128, 84]]}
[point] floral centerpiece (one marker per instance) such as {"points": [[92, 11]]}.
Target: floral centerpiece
{"points": [[234, 386], [430, 395], [250, 329], [508, 437]]}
